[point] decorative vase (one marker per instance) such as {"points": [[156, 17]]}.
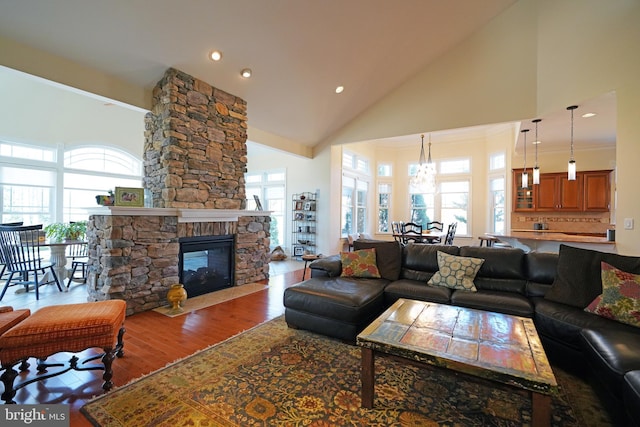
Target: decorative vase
{"points": [[176, 297]]}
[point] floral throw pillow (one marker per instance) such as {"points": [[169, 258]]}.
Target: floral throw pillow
{"points": [[360, 263], [620, 298], [456, 272]]}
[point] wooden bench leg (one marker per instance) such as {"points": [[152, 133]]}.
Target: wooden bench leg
{"points": [[8, 377], [108, 357]]}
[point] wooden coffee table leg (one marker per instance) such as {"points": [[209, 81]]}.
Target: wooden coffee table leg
{"points": [[367, 378], [541, 410]]}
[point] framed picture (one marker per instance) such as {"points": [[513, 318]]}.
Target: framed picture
{"points": [[258, 204], [307, 206], [128, 196], [298, 251], [298, 206]]}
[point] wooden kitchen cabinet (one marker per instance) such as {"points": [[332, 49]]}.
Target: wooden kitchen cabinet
{"points": [[523, 198], [557, 193], [590, 192], [597, 191], [546, 198]]}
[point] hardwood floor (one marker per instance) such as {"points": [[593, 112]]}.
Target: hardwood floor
{"points": [[153, 340]]}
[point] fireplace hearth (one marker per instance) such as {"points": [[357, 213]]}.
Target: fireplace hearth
{"points": [[206, 263]]}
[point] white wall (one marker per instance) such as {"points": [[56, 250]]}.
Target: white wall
{"points": [[38, 112], [301, 177], [537, 57]]}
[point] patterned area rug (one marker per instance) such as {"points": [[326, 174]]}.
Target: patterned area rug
{"points": [[275, 376]]}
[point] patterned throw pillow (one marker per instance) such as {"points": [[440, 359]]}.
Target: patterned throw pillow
{"points": [[456, 272], [360, 263], [620, 298]]}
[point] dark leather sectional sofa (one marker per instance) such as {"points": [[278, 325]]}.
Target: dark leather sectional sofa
{"points": [[509, 281]]}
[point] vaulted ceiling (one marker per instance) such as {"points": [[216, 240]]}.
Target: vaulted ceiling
{"points": [[299, 51]]}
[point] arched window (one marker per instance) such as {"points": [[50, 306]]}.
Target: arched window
{"points": [[93, 170]]}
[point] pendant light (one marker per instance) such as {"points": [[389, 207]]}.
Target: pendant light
{"points": [[536, 168], [571, 175], [525, 175], [425, 177]]}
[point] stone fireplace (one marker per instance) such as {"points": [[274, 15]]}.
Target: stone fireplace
{"points": [[194, 160]]}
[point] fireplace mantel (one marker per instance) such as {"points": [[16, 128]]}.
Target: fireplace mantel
{"points": [[183, 215]]}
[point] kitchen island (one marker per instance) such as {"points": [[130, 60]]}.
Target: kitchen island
{"points": [[550, 241]]}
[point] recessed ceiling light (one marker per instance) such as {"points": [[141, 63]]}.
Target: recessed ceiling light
{"points": [[587, 115], [246, 73], [216, 55], [339, 89]]}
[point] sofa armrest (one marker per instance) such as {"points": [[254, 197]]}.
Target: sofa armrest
{"points": [[329, 266]]}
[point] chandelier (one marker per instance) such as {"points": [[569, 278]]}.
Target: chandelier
{"points": [[425, 176]]}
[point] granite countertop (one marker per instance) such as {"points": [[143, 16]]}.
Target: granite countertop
{"points": [[554, 236]]}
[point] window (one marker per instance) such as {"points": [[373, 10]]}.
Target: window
{"points": [[348, 190], [354, 206], [385, 170], [454, 196], [497, 213], [354, 162], [455, 166], [355, 194], [497, 205], [450, 203], [89, 171], [496, 162], [41, 185], [21, 151], [269, 186], [422, 207], [385, 173], [27, 195], [384, 201]]}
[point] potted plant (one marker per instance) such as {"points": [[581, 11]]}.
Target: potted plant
{"points": [[59, 231]]}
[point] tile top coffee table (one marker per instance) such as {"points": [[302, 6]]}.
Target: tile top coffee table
{"points": [[495, 346]]}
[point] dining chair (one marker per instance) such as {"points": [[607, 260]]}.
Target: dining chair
{"points": [[78, 253], [3, 267], [451, 233], [396, 230], [412, 232], [20, 248], [435, 225]]}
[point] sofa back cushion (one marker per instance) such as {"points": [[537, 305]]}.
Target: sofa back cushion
{"points": [[420, 261], [540, 271], [503, 268], [578, 279], [388, 256]]}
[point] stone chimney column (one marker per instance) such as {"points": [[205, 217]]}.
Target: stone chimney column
{"points": [[195, 152]]}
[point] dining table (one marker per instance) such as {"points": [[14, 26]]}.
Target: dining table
{"points": [[427, 236], [58, 255]]}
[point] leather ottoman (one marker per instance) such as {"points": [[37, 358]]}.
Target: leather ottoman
{"points": [[338, 307]]}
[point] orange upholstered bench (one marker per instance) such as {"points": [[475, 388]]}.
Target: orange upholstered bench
{"points": [[63, 328], [10, 318]]}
